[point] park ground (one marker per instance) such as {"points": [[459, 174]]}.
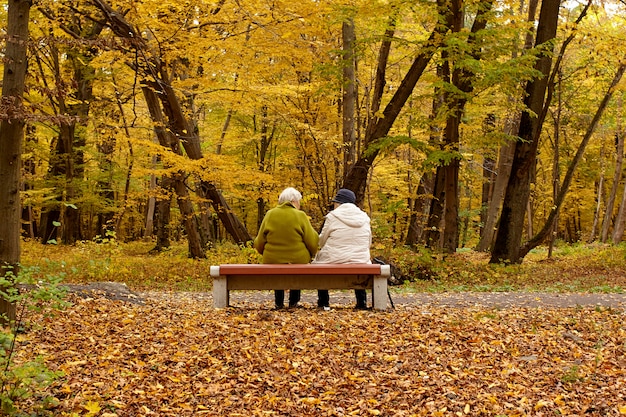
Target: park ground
{"points": [[138, 350], [172, 354]]}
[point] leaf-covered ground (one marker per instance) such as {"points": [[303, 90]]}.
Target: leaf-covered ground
{"points": [[179, 357]]}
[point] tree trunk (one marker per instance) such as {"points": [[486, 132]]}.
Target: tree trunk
{"points": [[162, 217], [168, 140], [509, 233], [232, 224], [196, 249], [117, 218], [489, 174], [506, 154], [436, 212], [419, 211], [618, 228], [29, 223], [150, 211], [455, 105], [218, 147], [11, 140], [349, 95], [505, 161], [617, 178], [556, 177], [456, 99], [489, 177], [451, 207], [569, 175], [599, 196], [106, 223], [433, 200]]}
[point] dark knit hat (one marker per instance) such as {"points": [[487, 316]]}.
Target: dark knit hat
{"points": [[344, 196]]}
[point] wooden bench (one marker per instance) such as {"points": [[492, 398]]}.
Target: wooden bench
{"points": [[300, 276]]}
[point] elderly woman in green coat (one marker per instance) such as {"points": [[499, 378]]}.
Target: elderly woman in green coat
{"points": [[287, 237]]}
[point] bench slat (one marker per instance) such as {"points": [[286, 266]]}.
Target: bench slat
{"points": [[297, 269], [303, 282]]}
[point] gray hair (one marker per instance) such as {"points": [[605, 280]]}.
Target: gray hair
{"points": [[289, 194]]}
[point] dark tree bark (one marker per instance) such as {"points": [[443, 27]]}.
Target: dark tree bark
{"points": [[116, 220], [29, 223], [162, 217], [105, 223], [556, 174], [489, 168], [431, 182], [232, 224], [263, 154], [455, 100], [435, 216], [11, 139], [419, 210], [267, 138], [509, 235], [455, 104], [506, 153], [349, 96]]}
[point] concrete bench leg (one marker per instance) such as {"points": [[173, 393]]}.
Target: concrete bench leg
{"points": [[379, 293], [220, 292]]}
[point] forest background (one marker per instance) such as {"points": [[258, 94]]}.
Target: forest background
{"points": [[487, 125]]}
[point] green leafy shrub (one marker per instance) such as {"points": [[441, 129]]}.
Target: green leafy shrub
{"points": [[414, 263], [22, 382]]}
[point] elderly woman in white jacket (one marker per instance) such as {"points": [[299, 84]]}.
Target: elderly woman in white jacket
{"points": [[345, 238]]}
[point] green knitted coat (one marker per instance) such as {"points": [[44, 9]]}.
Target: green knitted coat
{"points": [[286, 236]]}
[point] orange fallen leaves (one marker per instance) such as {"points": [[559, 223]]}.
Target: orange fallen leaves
{"points": [[184, 358]]}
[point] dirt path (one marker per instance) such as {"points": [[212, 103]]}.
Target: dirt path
{"points": [[345, 299]]}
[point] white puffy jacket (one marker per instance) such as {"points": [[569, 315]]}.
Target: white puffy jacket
{"points": [[346, 237]]}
